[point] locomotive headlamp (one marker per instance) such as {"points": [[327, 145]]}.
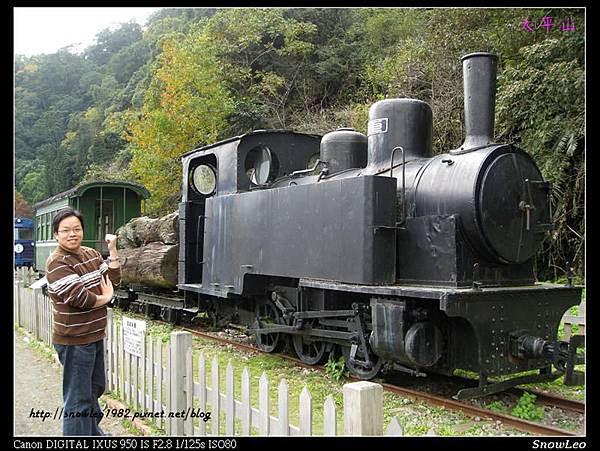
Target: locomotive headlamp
{"points": [[204, 179]]}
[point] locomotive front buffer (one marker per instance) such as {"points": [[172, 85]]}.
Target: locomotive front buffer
{"points": [[562, 355], [513, 341]]}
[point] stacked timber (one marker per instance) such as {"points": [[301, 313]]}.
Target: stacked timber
{"points": [[148, 251]]}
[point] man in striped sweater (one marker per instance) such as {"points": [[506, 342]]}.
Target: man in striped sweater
{"points": [[80, 285]]}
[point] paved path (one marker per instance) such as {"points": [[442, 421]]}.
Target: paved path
{"points": [[38, 386]]}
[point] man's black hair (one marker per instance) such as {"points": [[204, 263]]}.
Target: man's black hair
{"points": [[65, 213]]}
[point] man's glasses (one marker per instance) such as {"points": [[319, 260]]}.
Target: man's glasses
{"points": [[68, 231]]}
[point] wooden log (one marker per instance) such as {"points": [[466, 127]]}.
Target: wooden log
{"points": [[127, 235], [141, 231], [154, 264]]}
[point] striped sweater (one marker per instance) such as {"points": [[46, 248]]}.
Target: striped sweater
{"points": [[73, 285]]}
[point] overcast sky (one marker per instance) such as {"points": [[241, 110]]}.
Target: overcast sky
{"points": [[45, 30]]}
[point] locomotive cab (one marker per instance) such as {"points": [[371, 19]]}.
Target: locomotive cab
{"points": [[221, 171]]}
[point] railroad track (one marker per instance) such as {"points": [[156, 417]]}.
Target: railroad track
{"points": [[446, 402]]}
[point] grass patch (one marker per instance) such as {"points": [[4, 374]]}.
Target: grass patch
{"points": [[336, 369], [497, 406], [526, 408]]}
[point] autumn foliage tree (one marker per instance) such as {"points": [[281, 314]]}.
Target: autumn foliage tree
{"points": [[22, 208], [186, 105]]}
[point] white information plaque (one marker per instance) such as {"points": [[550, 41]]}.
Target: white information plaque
{"points": [[133, 333]]}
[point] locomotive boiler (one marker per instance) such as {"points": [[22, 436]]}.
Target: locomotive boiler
{"points": [[373, 247]]}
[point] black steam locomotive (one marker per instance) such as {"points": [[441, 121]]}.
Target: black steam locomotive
{"points": [[372, 247]]}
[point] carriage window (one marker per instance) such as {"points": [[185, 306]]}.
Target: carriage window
{"points": [[204, 179], [47, 227], [25, 234], [104, 219], [261, 165]]}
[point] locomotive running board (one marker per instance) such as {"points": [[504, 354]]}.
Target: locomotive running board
{"points": [[490, 389]]}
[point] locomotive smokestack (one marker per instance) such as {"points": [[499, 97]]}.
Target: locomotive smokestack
{"points": [[479, 74]]}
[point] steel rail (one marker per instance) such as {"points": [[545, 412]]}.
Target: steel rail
{"points": [[518, 423], [546, 399], [451, 404]]}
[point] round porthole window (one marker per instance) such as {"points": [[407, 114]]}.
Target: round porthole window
{"points": [[204, 179], [261, 165]]}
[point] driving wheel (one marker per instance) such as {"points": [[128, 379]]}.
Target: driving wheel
{"points": [[309, 350], [267, 314], [357, 368]]}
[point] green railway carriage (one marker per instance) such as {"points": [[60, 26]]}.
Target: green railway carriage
{"points": [[105, 206]]}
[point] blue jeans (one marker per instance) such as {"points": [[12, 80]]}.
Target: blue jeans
{"points": [[83, 384]]}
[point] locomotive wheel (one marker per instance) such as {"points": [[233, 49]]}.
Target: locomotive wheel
{"points": [[268, 315], [309, 351], [358, 370]]}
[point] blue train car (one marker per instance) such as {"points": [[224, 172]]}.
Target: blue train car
{"points": [[24, 243]]}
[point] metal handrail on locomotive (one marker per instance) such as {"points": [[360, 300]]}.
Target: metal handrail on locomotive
{"points": [[373, 247]]}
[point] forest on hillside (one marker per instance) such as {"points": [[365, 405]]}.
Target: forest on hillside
{"points": [[130, 104]]}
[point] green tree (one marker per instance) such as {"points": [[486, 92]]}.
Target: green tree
{"points": [[261, 53], [32, 186], [123, 64], [542, 108], [331, 73], [49, 89], [109, 42]]}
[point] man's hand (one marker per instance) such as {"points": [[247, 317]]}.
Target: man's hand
{"points": [[111, 240], [107, 288]]}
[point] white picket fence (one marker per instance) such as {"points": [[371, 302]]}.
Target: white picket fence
{"points": [[148, 385], [165, 378], [32, 310]]}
